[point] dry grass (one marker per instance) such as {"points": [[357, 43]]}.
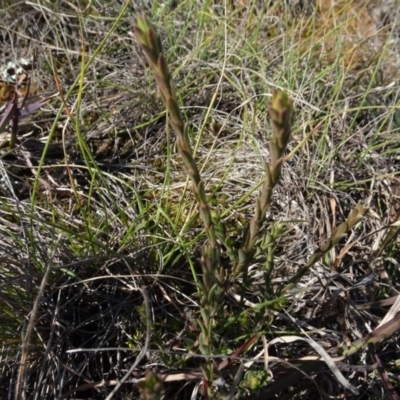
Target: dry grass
{"points": [[100, 235]]}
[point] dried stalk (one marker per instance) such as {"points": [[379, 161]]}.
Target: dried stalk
{"points": [[356, 214]]}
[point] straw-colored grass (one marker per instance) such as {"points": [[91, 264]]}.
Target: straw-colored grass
{"points": [[249, 252]]}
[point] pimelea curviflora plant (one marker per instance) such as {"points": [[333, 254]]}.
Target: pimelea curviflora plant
{"points": [[215, 277]]}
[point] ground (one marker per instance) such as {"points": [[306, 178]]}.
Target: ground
{"points": [[105, 256]]}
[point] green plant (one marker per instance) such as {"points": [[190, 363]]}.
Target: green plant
{"points": [[211, 287], [215, 277]]}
